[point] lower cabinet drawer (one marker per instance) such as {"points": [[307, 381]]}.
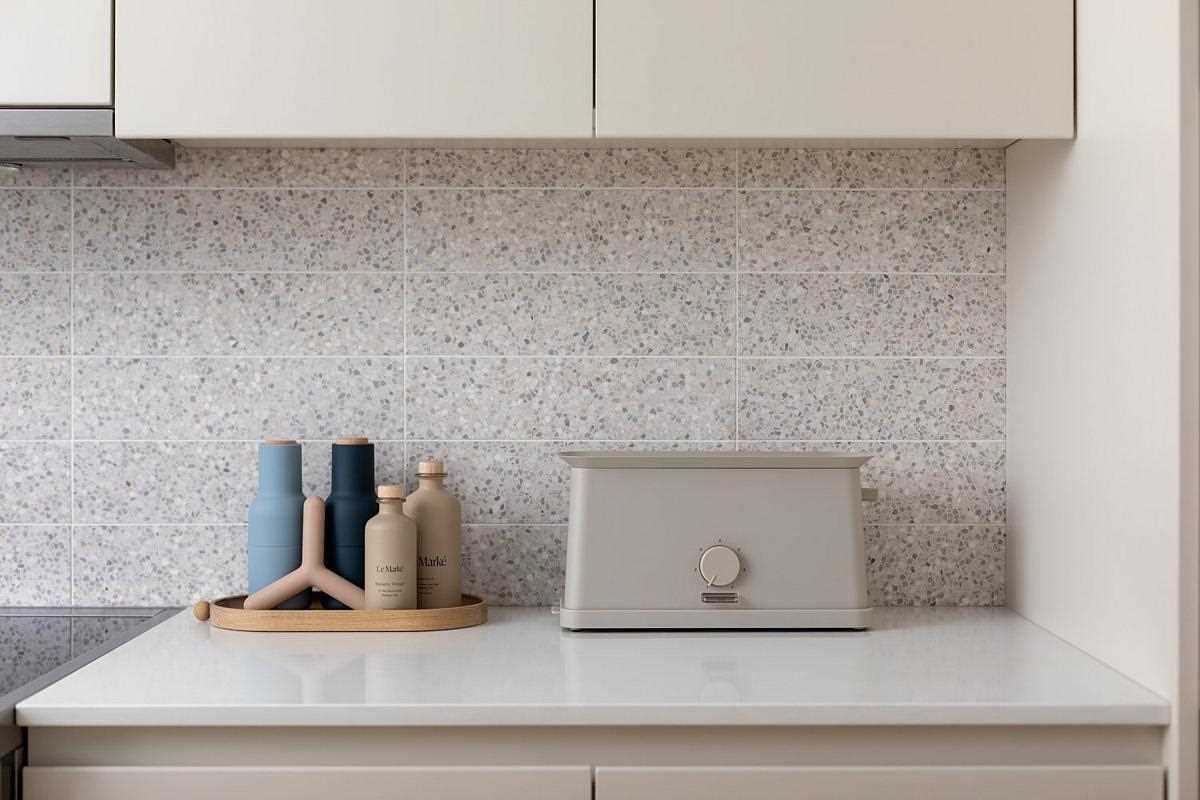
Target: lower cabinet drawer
{"points": [[874, 783], [297, 783]]}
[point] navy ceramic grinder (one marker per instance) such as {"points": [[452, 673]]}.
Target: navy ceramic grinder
{"points": [[351, 503], [276, 519]]}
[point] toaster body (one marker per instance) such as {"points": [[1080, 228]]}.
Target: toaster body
{"points": [[715, 540]]}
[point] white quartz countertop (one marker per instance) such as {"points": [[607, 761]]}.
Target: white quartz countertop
{"points": [[916, 667]]}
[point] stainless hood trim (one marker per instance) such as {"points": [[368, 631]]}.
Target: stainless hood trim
{"points": [[91, 128]]}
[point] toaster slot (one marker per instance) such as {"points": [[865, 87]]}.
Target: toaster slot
{"points": [[719, 598]]}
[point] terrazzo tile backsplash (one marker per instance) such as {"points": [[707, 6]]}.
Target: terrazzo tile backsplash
{"points": [[492, 307]]}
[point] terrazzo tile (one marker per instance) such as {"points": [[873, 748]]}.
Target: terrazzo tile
{"points": [[872, 398], [270, 315], [36, 177], [35, 482], [88, 633], [193, 482], [570, 314], [518, 482], [872, 315], [872, 231], [216, 230], [936, 566], [925, 168], [35, 398], [158, 565], [35, 315], [514, 565], [164, 482], [256, 167], [237, 398], [923, 482], [617, 230], [35, 565], [35, 230], [31, 646], [572, 167], [531, 398]]}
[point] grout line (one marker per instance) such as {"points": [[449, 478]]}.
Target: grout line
{"points": [[442, 274], [498, 188], [547, 440], [517, 523], [404, 313], [737, 299], [71, 387], [511, 356]]}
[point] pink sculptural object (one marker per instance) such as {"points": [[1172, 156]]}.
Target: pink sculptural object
{"points": [[312, 570]]}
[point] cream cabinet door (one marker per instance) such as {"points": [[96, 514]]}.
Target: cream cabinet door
{"points": [[353, 69], [291, 783], [56, 53], [978, 69], [873, 783]]}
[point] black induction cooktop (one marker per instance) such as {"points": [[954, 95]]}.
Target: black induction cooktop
{"points": [[39, 646]]}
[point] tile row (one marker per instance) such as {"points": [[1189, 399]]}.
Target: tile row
{"points": [[503, 398], [973, 168], [540, 230], [31, 646], [163, 565], [504, 314], [498, 482]]}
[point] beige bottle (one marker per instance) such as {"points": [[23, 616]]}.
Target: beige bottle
{"points": [[390, 562], [439, 538]]}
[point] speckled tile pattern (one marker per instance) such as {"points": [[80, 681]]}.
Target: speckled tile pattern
{"points": [[871, 315], [239, 314], [573, 167], [88, 633], [571, 314], [518, 482], [614, 230], [923, 482], [36, 563], [199, 231], [37, 176], [925, 168], [35, 315], [493, 306], [595, 398], [35, 398], [237, 398], [202, 167], [192, 482], [35, 482], [35, 230], [514, 565], [952, 565], [30, 646], [158, 565], [164, 482], [903, 398], [871, 231]]}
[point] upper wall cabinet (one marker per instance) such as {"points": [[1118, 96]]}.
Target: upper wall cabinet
{"points": [[953, 69], [353, 69], [56, 53]]}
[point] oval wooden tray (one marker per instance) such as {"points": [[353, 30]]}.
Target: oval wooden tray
{"points": [[228, 613]]}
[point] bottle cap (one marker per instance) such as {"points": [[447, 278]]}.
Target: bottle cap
{"points": [[431, 469], [389, 491], [269, 440], [352, 440]]}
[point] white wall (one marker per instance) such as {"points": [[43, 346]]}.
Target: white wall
{"points": [[1098, 403]]}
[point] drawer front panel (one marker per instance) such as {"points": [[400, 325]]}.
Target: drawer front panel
{"points": [[873, 783]]}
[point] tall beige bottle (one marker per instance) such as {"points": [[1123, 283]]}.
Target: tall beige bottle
{"points": [[390, 559], [439, 538]]}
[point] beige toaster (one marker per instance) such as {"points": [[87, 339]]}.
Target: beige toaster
{"points": [[715, 540]]}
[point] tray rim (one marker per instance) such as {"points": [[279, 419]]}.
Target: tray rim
{"points": [[224, 614]]}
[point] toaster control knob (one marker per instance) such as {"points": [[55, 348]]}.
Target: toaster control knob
{"points": [[720, 565]]}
